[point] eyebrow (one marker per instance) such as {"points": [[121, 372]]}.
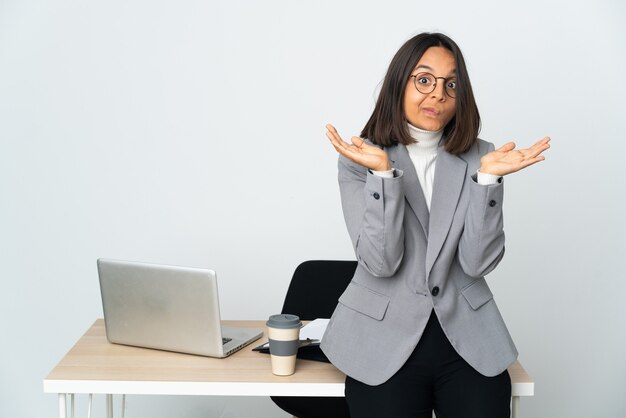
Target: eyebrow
{"points": [[431, 69]]}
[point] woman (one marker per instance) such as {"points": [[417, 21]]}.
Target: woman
{"points": [[417, 329]]}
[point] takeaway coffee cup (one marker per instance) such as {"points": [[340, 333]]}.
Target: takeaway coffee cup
{"points": [[283, 331]]}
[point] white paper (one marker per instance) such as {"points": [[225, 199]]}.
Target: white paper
{"points": [[314, 329]]}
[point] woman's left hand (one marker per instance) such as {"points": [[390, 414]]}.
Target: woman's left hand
{"points": [[506, 159]]}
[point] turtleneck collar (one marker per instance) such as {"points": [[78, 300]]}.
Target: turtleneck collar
{"points": [[427, 141]]}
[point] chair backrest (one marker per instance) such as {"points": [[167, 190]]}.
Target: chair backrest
{"points": [[316, 286]]}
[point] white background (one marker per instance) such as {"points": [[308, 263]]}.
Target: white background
{"points": [[192, 133]]}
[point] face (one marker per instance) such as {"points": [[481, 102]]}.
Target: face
{"points": [[434, 110]]}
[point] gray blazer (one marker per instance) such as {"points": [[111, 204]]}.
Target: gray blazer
{"points": [[404, 253]]}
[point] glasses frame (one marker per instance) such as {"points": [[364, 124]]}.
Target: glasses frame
{"points": [[445, 81]]}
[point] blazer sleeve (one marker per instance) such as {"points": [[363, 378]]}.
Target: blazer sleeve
{"points": [[481, 246], [373, 208]]}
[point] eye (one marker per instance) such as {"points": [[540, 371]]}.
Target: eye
{"points": [[451, 84], [424, 80]]}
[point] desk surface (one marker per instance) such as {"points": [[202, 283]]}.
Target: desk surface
{"points": [[94, 365]]}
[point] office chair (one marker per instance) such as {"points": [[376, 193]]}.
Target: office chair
{"points": [[313, 293]]}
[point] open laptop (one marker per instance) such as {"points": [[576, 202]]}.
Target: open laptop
{"points": [[166, 308]]}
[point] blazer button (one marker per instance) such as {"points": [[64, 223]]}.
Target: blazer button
{"points": [[376, 195], [492, 203], [435, 291]]}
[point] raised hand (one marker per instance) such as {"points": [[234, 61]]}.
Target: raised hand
{"points": [[506, 159], [361, 153]]}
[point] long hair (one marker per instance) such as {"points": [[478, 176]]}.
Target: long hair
{"points": [[388, 126]]}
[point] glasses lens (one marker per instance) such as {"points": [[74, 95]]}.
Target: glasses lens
{"points": [[425, 82], [451, 87]]}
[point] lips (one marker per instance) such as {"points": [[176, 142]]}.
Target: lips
{"points": [[430, 111]]}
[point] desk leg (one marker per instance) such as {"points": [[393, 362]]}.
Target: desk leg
{"points": [[109, 406], [62, 406], [515, 407]]}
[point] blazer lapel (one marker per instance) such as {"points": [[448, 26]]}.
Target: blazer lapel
{"points": [[449, 178], [412, 188]]}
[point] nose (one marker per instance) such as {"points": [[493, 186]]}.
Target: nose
{"points": [[439, 91]]}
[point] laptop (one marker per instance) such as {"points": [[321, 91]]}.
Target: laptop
{"points": [[167, 308]]}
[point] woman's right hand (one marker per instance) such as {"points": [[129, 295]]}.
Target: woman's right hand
{"points": [[361, 153]]}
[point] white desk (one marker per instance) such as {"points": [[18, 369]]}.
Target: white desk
{"points": [[95, 366]]}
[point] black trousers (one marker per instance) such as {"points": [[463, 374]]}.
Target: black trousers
{"points": [[435, 378]]}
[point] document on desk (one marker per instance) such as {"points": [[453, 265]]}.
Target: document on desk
{"points": [[314, 330], [310, 335]]}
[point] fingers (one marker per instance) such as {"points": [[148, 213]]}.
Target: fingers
{"points": [[531, 161], [545, 140], [332, 133], [330, 128], [507, 147], [352, 151], [358, 142], [335, 139], [537, 148], [526, 154], [509, 160], [533, 155]]}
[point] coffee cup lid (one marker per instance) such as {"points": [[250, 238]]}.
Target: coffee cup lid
{"points": [[285, 321]]}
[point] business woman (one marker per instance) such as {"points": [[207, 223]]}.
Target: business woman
{"points": [[418, 329]]}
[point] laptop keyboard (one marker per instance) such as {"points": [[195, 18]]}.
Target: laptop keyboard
{"points": [[226, 340]]}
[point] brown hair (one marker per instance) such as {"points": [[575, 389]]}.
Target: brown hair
{"points": [[388, 126]]}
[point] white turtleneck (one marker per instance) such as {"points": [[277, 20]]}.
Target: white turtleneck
{"points": [[423, 154]]}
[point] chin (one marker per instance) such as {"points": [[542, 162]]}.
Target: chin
{"points": [[430, 126]]}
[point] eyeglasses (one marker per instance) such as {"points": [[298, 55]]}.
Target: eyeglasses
{"points": [[426, 83]]}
